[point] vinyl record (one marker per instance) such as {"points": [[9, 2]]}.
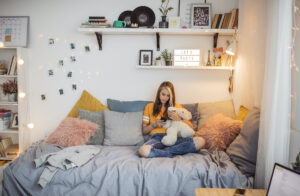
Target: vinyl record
{"points": [[143, 16], [126, 16]]}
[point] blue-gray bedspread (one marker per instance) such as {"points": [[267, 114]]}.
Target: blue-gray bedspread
{"points": [[120, 171]]}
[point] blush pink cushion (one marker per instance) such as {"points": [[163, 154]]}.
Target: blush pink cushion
{"points": [[219, 131], [72, 132]]}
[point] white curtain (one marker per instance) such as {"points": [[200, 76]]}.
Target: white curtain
{"points": [[275, 107]]}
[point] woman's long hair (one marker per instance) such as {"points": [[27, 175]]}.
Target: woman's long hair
{"points": [[170, 103]]}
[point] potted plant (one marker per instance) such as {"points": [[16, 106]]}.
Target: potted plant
{"points": [[11, 88], [296, 165], [164, 9], [158, 61], [167, 57]]}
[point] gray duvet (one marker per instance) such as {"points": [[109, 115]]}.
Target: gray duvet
{"points": [[120, 171]]}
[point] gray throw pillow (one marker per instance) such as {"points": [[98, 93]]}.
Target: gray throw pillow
{"points": [[95, 117], [123, 129], [243, 150], [126, 106], [193, 108]]}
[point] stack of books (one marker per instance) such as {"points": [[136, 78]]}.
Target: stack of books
{"points": [[95, 22], [8, 149], [226, 20]]}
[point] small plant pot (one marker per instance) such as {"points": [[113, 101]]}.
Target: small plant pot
{"points": [[169, 63], [12, 97], [158, 63], [296, 167]]}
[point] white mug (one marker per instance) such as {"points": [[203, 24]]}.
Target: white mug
{"points": [[171, 109]]}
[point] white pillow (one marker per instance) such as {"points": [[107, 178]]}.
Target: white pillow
{"points": [[123, 129]]}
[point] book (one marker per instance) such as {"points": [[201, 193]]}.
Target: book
{"points": [[236, 21], [13, 66], [96, 17], [214, 24], [219, 21], [9, 68], [232, 18], [226, 20]]}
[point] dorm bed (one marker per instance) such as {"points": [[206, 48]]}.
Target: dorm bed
{"points": [[120, 171]]}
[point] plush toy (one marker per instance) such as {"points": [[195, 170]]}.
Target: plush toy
{"points": [[177, 128]]}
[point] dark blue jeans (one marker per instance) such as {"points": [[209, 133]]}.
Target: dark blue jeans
{"points": [[182, 146]]}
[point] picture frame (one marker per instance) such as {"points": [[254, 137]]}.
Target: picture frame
{"points": [[146, 57], [14, 123], [185, 8], [14, 31], [174, 22], [201, 16]]}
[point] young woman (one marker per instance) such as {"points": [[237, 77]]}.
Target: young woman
{"points": [[152, 125]]}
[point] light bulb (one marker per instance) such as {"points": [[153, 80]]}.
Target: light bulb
{"points": [[20, 61], [1, 44], [22, 95], [30, 125]]}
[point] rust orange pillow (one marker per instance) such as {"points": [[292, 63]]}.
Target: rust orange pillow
{"points": [[72, 132], [219, 131]]}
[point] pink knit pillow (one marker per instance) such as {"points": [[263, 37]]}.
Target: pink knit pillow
{"points": [[219, 131], [72, 132]]}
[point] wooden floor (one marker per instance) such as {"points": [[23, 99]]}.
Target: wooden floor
{"points": [[228, 192]]}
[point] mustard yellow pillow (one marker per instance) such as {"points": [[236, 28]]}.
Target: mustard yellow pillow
{"points": [[242, 113], [87, 102]]}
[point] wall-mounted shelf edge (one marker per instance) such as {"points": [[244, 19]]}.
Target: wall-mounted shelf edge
{"points": [[185, 67], [155, 31]]}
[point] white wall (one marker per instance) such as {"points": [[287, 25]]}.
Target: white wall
{"points": [[118, 78]]}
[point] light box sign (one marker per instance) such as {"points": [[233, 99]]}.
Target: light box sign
{"points": [[186, 57]]}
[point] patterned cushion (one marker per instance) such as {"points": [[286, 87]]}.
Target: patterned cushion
{"points": [[219, 131], [87, 102], [71, 132]]}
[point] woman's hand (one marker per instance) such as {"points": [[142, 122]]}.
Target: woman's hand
{"points": [[159, 123], [173, 115]]}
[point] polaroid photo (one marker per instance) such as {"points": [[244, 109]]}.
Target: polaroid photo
{"points": [[70, 74], [74, 87], [61, 91], [87, 48], [73, 59], [72, 45], [51, 41], [50, 72]]}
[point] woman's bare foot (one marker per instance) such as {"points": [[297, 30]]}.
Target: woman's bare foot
{"points": [[199, 142], [144, 150]]}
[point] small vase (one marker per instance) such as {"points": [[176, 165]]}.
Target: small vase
{"points": [[12, 97], [164, 23]]}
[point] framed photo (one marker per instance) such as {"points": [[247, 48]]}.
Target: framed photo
{"points": [[185, 8], [201, 16], [14, 123], [14, 30], [145, 57]]}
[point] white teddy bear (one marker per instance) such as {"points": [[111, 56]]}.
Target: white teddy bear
{"points": [[177, 128]]}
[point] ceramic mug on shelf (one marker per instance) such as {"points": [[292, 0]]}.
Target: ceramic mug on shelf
{"points": [[119, 24]]}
